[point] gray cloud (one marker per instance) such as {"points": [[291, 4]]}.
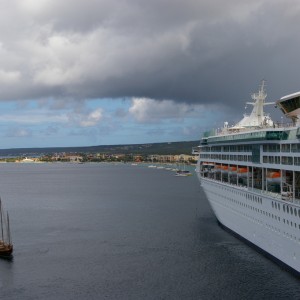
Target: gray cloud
{"points": [[187, 51]]}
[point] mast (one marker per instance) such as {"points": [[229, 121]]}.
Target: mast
{"points": [[258, 104], [257, 116], [1, 216], [8, 229]]}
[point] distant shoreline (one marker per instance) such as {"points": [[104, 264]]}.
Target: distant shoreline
{"points": [[167, 148]]}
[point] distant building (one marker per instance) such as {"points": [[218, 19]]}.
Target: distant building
{"points": [[27, 160]]}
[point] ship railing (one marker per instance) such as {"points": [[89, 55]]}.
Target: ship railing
{"points": [[225, 131], [266, 193], [241, 187], [277, 196]]}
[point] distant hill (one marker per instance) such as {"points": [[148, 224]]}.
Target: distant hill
{"points": [[146, 149]]}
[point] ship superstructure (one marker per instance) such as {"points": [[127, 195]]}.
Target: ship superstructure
{"points": [[250, 173]]}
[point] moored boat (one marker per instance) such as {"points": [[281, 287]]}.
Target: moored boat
{"points": [[6, 246], [183, 173]]}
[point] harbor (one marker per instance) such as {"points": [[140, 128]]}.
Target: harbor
{"points": [[122, 231]]}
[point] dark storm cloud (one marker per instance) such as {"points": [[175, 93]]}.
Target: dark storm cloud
{"points": [[187, 51]]}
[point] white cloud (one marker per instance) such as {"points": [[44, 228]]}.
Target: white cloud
{"points": [[9, 77], [149, 110], [92, 118]]}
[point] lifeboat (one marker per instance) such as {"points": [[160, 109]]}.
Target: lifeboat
{"points": [[218, 168], [243, 171], [233, 169], [224, 169], [274, 177]]}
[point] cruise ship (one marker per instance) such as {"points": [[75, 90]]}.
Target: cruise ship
{"points": [[250, 173]]}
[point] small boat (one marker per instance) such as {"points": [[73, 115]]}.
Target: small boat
{"points": [[6, 246], [274, 176], [224, 169], [233, 169], [243, 172], [183, 173]]}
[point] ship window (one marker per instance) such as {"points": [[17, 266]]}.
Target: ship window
{"points": [[272, 204], [290, 104], [297, 161], [287, 209], [295, 211], [291, 209], [285, 148], [286, 160], [256, 153]]}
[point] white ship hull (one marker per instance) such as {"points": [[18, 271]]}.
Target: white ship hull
{"points": [[256, 218]]}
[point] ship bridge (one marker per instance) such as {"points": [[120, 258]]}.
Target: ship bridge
{"points": [[290, 106]]}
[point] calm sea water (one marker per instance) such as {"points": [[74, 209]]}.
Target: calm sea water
{"points": [[100, 231]]}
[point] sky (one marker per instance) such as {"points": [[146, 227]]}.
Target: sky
{"points": [[99, 72]]}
